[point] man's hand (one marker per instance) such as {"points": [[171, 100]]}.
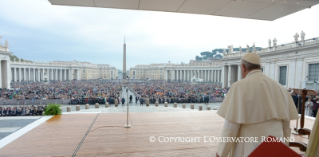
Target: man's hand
{"points": [[217, 155]]}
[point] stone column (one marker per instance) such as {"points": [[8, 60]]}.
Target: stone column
{"points": [[202, 75], [225, 76], [64, 74], [206, 75], [184, 71], [42, 74], [6, 77], [79, 74], [20, 78], [33, 74], [39, 76], [191, 75], [173, 75], [229, 75], [60, 75], [239, 73], [29, 74], [71, 74], [14, 74], [56, 74], [24, 74], [213, 77]]}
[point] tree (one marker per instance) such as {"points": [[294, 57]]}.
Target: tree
{"points": [[218, 53], [198, 58], [12, 57]]}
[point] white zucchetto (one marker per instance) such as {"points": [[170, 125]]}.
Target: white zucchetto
{"points": [[252, 58]]}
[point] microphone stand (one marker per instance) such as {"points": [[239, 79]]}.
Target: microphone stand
{"points": [[299, 103]]}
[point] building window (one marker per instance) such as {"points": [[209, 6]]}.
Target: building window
{"points": [[313, 72], [282, 75]]}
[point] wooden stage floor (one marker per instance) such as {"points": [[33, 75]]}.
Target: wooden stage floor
{"points": [[61, 135]]}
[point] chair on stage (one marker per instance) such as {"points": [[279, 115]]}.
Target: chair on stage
{"points": [[278, 149], [302, 130], [311, 149], [304, 93]]}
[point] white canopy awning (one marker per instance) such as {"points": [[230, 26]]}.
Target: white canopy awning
{"points": [[251, 9]]}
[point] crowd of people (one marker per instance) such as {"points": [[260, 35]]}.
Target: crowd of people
{"points": [[89, 91], [101, 91], [311, 103], [22, 110], [174, 91]]}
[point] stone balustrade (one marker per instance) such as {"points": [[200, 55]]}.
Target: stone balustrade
{"points": [[281, 47]]}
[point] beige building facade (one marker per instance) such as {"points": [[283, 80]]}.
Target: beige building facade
{"points": [[18, 70], [293, 65], [208, 71]]}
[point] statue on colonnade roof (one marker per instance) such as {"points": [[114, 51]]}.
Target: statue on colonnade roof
{"points": [[296, 37], [303, 35], [275, 42], [269, 43]]}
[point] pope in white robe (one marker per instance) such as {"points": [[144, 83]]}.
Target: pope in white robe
{"points": [[256, 106]]}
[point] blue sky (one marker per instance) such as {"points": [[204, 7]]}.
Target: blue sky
{"points": [[36, 30]]}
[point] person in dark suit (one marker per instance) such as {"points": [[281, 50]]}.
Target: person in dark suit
{"points": [[8, 112], [2, 111], [123, 101], [206, 99], [136, 99], [295, 99], [141, 101], [315, 106], [131, 97]]}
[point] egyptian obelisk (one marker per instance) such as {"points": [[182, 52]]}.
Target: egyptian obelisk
{"points": [[124, 63]]}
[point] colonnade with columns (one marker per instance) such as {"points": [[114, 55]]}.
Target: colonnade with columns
{"points": [[20, 73], [231, 74], [212, 75], [5, 77]]}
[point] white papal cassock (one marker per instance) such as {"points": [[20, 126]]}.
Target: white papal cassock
{"points": [[255, 106]]}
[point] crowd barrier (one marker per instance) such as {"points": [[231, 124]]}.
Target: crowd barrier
{"points": [[211, 100]]}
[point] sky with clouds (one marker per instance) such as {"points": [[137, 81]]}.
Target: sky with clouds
{"points": [[39, 31]]}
